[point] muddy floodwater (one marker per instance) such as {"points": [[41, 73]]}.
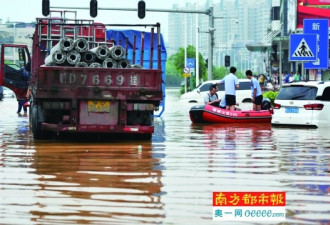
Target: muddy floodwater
{"points": [[168, 180]]}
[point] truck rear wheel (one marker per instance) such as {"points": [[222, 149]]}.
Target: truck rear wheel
{"points": [[35, 124]]}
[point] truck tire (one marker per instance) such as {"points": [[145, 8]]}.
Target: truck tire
{"points": [[35, 125]]}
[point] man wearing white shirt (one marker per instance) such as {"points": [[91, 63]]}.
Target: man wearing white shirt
{"points": [[231, 83]]}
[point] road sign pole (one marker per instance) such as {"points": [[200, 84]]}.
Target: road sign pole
{"points": [[303, 72], [191, 81], [185, 85], [280, 65]]}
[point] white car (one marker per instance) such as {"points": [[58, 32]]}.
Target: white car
{"points": [[303, 104], [243, 93]]}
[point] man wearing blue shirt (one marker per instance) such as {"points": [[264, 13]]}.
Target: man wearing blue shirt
{"points": [[222, 104], [255, 91], [231, 83]]}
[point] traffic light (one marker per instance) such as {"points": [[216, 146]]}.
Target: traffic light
{"points": [[45, 7], [206, 63], [93, 8], [141, 9], [227, 61]]}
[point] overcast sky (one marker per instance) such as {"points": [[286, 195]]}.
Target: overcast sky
{"points": [[28, 10]]}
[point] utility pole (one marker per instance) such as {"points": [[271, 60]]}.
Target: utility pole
{"points": [[208, 12], [211, 43]]}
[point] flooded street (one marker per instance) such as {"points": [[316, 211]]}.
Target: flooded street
{"points": [[168, 180]]}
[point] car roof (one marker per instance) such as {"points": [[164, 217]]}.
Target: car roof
{"points": [[321, 85], [304, 83], [215, 81]]}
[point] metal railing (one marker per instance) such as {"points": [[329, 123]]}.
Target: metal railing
{"points": [[275, 31]]}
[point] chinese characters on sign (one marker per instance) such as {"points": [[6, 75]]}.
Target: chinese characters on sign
{"points": [[320, 27], [249, 206]]}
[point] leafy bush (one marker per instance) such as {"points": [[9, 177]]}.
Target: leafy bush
{"points": [[182, 90], [271, 95]]}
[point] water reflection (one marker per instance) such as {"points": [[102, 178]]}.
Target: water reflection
{"points": [[107, 183]]}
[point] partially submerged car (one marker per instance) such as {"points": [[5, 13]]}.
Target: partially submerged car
{"points": [[243, 93], [303, 104]]}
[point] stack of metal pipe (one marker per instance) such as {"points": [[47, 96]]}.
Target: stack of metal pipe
{"points": [[81, 45], [68, 52], [117, 52], [58, 53], [102, 52]]}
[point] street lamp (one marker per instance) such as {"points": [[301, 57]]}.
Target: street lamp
{"points": [[211, 39]]}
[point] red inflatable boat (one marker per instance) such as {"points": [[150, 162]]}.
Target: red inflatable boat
{"points": [[212, 114]]}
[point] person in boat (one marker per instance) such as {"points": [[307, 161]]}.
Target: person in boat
{"points": [[222, 104], [231, 83], [255, 91], [212, 97]]}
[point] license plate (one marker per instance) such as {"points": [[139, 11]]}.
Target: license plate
{"points": [[291, 110], [99, 106]]}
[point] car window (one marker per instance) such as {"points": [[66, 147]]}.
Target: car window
{"points": [[221, 87], [205, 87], [297, 93], [244, 85]]}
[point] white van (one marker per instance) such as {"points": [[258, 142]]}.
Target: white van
{"points": [[243, 93]]}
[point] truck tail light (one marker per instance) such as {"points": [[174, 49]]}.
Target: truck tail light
{"points": [[277, 106], [313, 106]]}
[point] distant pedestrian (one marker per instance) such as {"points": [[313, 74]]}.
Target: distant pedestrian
{"points": [[231, 83], [255, 91], [291, 78], [22, 96], [296, 77], [269, 86], [286, 77], [21, 99]]}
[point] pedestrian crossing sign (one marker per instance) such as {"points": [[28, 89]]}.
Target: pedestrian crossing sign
{"points": [[303, 47]]}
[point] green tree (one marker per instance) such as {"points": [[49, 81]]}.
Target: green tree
{"points": [[219, 72], [173, 78], [240, 74], [191, 53]]}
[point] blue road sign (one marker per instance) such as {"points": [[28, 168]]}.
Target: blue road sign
{"points": [[303, 47], [190, 62], [321, 28]]}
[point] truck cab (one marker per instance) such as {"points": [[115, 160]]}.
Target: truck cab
{"points": [[13, 61]]}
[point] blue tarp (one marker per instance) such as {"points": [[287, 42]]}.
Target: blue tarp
{"points": [[119, 36]]}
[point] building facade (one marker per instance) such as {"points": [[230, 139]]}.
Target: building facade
{"points": [[236, 23]]}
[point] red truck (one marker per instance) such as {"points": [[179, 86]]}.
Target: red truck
{"points": [[70, 99]]}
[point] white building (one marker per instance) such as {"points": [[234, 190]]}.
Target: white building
{"points": [[236, 23]]}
